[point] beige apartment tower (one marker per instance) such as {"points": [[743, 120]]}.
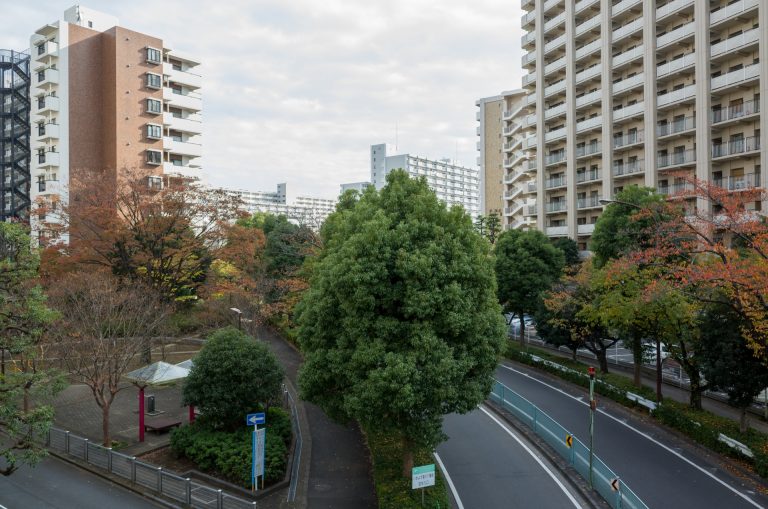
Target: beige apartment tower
{"points": [[108, 98], [640, 92]]}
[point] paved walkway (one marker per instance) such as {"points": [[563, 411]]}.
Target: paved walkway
{"points": [[339, 463]]}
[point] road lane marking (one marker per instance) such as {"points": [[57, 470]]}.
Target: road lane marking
{"points": [[450, 481], [641, 433], [533, 455]]}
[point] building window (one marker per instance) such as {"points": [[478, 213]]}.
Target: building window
{"points": [[154, 157], [154, 56], [154, 131], [154, 106], [154, 80]]}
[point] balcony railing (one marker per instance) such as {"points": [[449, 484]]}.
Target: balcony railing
{"points": [[744, 109], [557, 206], [675, 65], [591, 23], [676, 126], [554, 22], [671, 8], [736, 42], [554, 44], [679, 188], [588, 149], [737, 183], [589, 73], [589, 98], [734, 147], [633, 167], [630, 138], [588, 203], [553, 66], [629, 83], [734, 9], [629, 111], [530, 165], [589, 123], [587, 176], [676, 96], [555, 182], [554, 158], [531, 188], [627, 29], [554, 88], [676, 158], [530, 210], [554, 112], [627, 56], [675, 35], [736, 77], [555, 134]]}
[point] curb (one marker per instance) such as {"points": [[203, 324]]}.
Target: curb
{"points": [[569, 473]]}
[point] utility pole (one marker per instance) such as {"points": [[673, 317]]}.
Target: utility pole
{"points": [[592, 408]]}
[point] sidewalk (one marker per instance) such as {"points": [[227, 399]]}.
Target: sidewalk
{"points": [[339, 463]]}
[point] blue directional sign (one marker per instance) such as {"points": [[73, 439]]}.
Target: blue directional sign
{"points": [[254, 419]]}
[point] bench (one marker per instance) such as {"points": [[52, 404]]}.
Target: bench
{"points": [[160, 425]]}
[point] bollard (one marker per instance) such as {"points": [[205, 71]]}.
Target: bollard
{"points": [[66, 442], [219, 499], [159, 479], [189, 492], [133, 469], [85, 450], [109, 460]]}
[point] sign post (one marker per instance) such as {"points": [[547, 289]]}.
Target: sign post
{"points": [[422, 477], [592, 407], [258, 447]]}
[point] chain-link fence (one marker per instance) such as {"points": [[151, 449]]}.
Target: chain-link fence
{"points": [[604, 480], [150, 477]]}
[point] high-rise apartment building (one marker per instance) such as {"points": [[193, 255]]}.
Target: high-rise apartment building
{"points": [[504, 166], [453, 184], [641, 92], [310, 211], [108, 98], [14, 135]]}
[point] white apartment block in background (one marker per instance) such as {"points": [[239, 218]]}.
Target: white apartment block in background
{"points": [[505, 168], [108, 98], [355, 186], [299, 209], [641, 92], [453, 184]]}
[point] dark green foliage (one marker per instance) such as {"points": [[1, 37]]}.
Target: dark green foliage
{"points": [[233, 375], [620, 230], [228, 453], [400, 325], [570, 249], [527, 264]]}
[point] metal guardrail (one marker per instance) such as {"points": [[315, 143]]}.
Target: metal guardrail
{"points": [[151, 477], [577, 454]]}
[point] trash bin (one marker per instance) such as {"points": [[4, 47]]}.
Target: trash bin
{"points": [[151, 404]]}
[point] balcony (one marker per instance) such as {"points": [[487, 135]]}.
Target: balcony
{"points": [[624, 6], [628, 56], [588, 49], [528, 18], [731, 11], [555, 158], [554, 66], [683, 158], [185, 148], [47, 132], [529, 58], [736, 112], [627, 30], [555, 88], [738, 77], [49, 187], [589, 124], [530, 165], [589, 73], [526, 3], [48, 159], [589, 98], [588, 149], [530, 100], [633, 110], [672, 8], [187, 78], [190, 101], [528, 38], [179, 168], [47, 49], [738, 183], [554, 112], [736, 147], [591, 23], [629, 139], [676, 96], [47, 104], [529, 79], [529, 121], [673, 66], [583, 4], [588, 203], [530, 211], [629, 83], [675, 189], [554, 44], [554, 22], [530, 143], [554, 135], [557, 231], [586, 229], [631, 168], [556, 206], [588, 176], [675, 36], [679, 125], [556, 182], [189, 125], [737, 42], [47, 77], [531, 187]]}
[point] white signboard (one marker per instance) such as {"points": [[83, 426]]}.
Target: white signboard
{"points": [[422, 477], [261, 435]]}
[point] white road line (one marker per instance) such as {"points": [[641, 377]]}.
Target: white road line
{"points": [[670, 450], [533, 455], [450, 481]]}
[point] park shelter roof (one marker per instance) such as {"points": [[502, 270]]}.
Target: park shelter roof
{"points": [[158, 373], [187, 364]]}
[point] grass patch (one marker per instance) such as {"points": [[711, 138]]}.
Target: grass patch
{"points": [[392, 490]]}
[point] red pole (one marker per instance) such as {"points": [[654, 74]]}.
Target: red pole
{"points": [[141, 414], [191, 414]]}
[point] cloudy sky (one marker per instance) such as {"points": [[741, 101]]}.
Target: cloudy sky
{"points": [[296, 91]]}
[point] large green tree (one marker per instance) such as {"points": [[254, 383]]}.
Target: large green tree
{"points": [[401, 324], [623, 227], [24, 377], [232, 376], [527, 264]]}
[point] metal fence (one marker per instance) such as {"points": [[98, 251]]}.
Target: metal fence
{"points": [[577, 454], [151, 477]]}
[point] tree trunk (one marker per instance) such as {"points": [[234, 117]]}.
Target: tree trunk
{"points": [[637, 356], [573, 354], [522, 329], [146, 353], [26, 398], [743, 421], [602, 358], [407, 458], [659, 395], [105, 425]]}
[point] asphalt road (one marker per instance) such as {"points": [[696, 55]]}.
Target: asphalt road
{"points": [[56, 484], [659, 470], [490, 468]]}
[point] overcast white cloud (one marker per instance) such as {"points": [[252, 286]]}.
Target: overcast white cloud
{"points": [[297, 90]]}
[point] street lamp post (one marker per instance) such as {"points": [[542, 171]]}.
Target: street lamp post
{"points": [[239, 318], [592, 408]]}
